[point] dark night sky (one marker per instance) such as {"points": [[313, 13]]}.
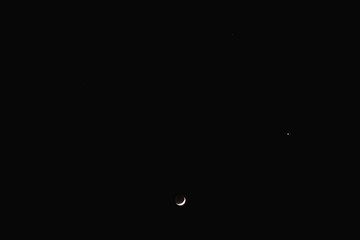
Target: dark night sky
{"points": [[139, 105], [199, 110], [197, 106]]}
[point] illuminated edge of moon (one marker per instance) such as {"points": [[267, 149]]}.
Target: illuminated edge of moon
{"points": [[180, 204]]}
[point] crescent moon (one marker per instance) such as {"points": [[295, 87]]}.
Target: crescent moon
{"points": [[180, 204]]}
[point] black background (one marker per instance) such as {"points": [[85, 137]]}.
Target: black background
{"points": [[194, 108], [141, 107]]}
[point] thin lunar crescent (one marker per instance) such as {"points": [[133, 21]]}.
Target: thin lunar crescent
{"points": [[180, 204]]}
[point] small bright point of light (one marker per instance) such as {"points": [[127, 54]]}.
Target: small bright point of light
{"points": [[288, 133]]}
